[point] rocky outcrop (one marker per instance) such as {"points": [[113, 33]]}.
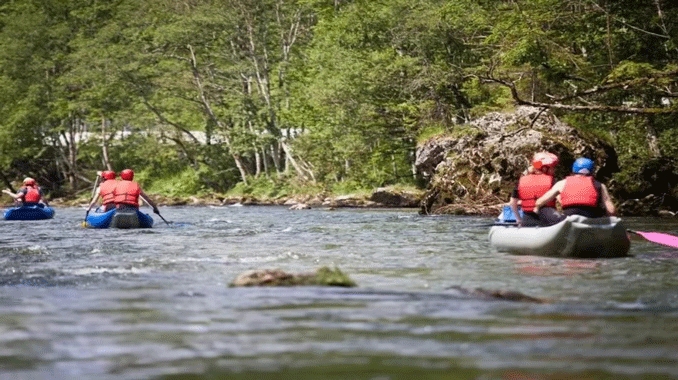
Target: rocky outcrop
{"points": [[474, 168]]}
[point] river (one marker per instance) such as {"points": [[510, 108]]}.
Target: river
{"points": [[79, 303]]}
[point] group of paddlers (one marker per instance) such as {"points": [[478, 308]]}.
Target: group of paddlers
{"points": [[536, 193], [119, 194], [114, 194], [578, 194]]}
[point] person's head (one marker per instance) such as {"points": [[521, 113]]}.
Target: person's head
{"points": [[28, 181], [545, 162], [583, 165], [127, 175], [108, 174]]}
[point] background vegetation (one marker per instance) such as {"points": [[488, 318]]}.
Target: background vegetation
{"points": [[203, 96]]}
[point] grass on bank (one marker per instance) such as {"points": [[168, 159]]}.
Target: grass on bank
{"points": [[191, 184]]}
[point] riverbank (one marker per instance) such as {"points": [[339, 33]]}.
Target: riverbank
{"points": [[385, 197]]}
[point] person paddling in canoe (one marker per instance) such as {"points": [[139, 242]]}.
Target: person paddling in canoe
{"points": [[533, 184], [105, 192], [30, 194], [580, 193], [127, 192]]}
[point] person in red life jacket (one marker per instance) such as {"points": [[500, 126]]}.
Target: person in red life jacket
{"points": [[533, 184], [580, 193], [30, 194], [105, 192], [127, 192]]}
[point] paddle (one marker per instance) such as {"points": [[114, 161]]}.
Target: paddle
{"points": [[157, 212], [659, 238], [94, 190]]}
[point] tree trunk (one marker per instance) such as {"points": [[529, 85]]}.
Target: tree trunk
{"points": [[651, 138], [72, 154], [292, 161], [264, 160], [275, 155], [210, 113], [241, 168], [7, 182], [104, 145]]}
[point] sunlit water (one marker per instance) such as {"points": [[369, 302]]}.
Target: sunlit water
{"points": [[80, 303]]}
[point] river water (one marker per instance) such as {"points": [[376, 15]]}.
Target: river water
{"points": [[79, 303]]}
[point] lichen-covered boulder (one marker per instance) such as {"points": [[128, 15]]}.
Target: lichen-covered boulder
{"points": [[473, 169], [275, 277]]}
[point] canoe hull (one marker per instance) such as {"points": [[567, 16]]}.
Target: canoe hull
{"points": [[39, 212], [128, 218], [576, 237]]}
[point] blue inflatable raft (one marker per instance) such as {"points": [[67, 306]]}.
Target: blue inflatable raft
{"points": [[33, 212], [125, 218]]}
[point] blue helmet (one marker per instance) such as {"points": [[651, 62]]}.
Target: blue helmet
{"points": [[582, 165]]}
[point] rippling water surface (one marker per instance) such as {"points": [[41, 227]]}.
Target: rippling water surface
{"points": [[79, 303]]}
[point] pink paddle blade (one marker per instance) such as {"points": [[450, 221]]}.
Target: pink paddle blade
{"points": [[659, 238]]}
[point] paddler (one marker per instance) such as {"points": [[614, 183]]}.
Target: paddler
{"points": [[30, 194], [105, 192], [533, 184], [127, 192], [580, 193]]}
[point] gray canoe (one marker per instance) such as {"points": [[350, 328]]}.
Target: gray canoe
{"points": [[576, 236]]}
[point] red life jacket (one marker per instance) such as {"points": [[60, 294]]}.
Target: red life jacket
{"points": [[106, 190], [533, 186], [31, 194], [126, 193], [579, 191]]}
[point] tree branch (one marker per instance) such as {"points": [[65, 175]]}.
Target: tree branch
{"points": [[574, 107]]}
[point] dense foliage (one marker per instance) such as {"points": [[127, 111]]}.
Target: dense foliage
{"points": [[203, 95]]}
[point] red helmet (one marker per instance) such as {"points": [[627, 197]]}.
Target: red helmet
{"points": [[127, 174], [108, 174], [544, 159], [28, 181]]}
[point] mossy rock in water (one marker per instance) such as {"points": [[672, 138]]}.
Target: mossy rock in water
{"points": [[275, 277]]}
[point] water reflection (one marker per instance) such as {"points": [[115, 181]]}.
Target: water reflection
{"points": [[542, 266]]}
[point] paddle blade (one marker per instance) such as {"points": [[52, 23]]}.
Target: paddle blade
{"points": [[659, 238]]}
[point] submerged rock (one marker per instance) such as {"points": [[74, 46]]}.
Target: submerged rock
{"points": [[300, 206], [507, 295], [275, 277]]}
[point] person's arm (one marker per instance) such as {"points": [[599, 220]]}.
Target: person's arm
{"points": [[11, 194], [42, 198], [514, 207], [95, 199], [18, 197], [607, 201], [548, 196], [149, 201]]}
